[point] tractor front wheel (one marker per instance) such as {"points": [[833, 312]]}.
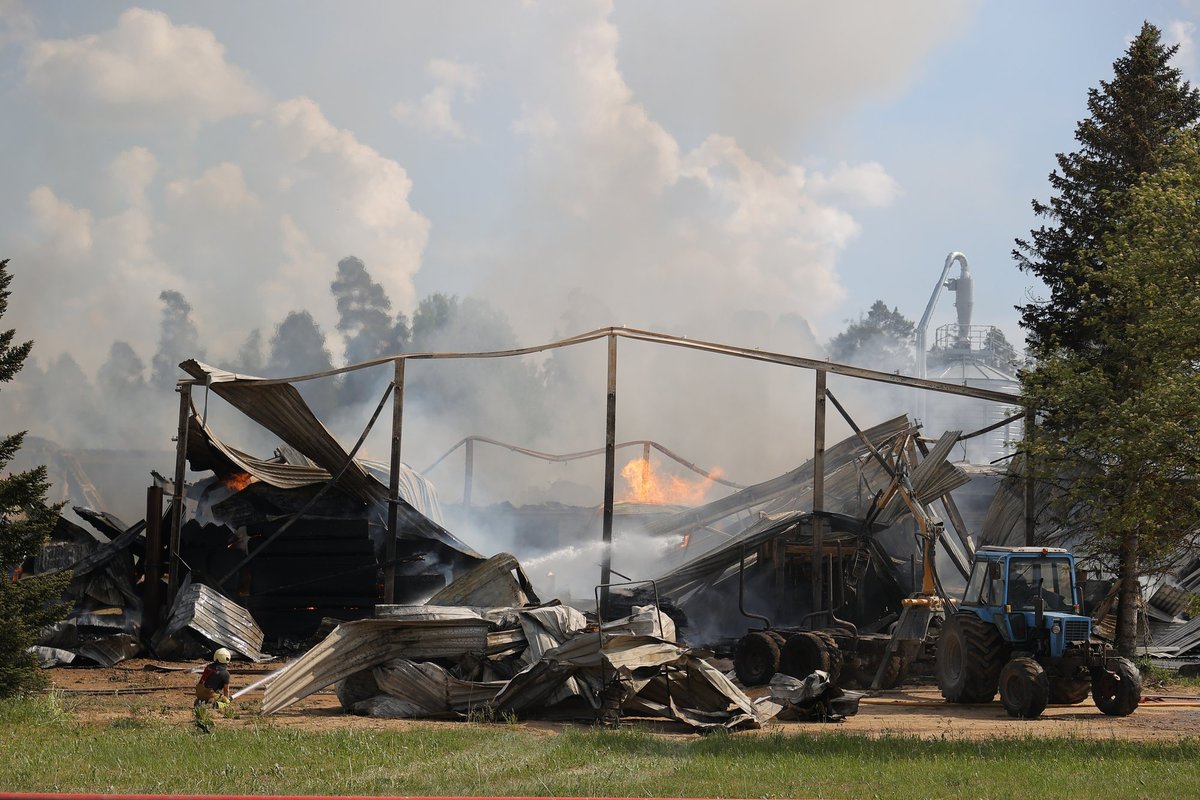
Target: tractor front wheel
{"points": [[1117, 690], [756, 658], [1024, 688], [970, 655]]}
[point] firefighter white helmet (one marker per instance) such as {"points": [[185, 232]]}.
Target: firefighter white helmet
{"points": [[222, 656]]}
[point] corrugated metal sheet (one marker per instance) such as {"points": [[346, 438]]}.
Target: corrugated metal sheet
{"points": [[207, 451], [214, 617], [356, 646], [279, 408]]}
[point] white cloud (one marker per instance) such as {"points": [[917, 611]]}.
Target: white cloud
{"points": [[864, 185], [16, 23], [131, 174], [434, 112], [63, 228], [222, 188], [147, 69], [1183, 33]]}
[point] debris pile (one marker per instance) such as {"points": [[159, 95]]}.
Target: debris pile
{"points": [[104, 623], [468, 661]]}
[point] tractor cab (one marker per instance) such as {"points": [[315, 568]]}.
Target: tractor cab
{"points": [[1030, 595]]}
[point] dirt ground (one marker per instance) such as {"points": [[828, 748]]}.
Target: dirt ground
{"points": [[142, 688]]}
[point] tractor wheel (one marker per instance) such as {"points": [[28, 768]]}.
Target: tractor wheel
{"points": [[893, 673], [836, 660], [1069, 691], [970, 655], [803, 655], [756, 658], [1117, 691], [809, 651], [1024, 688]]}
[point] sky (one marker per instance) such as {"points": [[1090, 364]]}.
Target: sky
{"points": [[717, 170]]}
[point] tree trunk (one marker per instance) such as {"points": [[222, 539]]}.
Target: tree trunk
{"points": [[1129, 593]]}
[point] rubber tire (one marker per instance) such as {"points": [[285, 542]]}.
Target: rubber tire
{"points": [[970, 655], [1117, 691], [1024, 688], [1069, 691], [756, 658], [836, 661], [897, 667], [804, 654]]}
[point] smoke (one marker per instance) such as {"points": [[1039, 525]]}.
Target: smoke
{"points": [[616, 204]]}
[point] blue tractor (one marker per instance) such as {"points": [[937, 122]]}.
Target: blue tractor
{"points": [[1018, 630]]}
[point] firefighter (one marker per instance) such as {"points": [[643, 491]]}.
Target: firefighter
{"points": [[213, 686]]}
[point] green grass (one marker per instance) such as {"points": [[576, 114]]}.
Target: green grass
{"points": [[44, 749]]}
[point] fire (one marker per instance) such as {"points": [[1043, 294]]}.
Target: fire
{"points": [[239, 481], [644, 485]]}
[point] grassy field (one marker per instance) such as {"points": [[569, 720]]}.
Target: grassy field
{"points": [[44, 748]]}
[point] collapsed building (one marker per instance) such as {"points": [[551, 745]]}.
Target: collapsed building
{"points": [[269, 554]]}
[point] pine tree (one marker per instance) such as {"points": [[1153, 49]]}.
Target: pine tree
{"points": [[26, 604], [1119, 425], [881, 340], [1144, 107]]}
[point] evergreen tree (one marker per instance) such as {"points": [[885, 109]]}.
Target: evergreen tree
{"points": [[882, 340], [298, 348], [178, 339], [1145, 106], [364, 319], [1120, 420], [26, 604]]}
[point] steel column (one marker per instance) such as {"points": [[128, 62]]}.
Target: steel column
{"points": [[389, 572], [818, 498], [181, 437], [153, 564], [610, 467]]}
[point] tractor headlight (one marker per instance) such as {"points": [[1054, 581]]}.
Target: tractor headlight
{"points": [[1057, 629]]}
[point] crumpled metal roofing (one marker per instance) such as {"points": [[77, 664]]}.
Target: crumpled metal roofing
{"points": [[216, 618], [366, 643], [207, 451], [279, 408]]}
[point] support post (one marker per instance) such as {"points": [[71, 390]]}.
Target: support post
{"points": [[181, 437], [610, 466], [818, 499], [389, 571], [1030, 486], [153, 564], [468, 472]]}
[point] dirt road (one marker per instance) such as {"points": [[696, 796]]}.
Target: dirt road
{"points": [[141, 688]]}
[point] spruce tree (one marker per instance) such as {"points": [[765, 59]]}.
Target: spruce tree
{"points": [[1144, 107], [1119, 420], [26, 603], [882, 340]]}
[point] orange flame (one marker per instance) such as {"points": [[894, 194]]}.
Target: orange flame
{"points": [[239, 481], [644, 485]]}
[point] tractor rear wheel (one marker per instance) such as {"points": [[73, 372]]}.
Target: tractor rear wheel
{"points": [[897, 665], [1117, 690], [1024, 688], [1069, 691], [804, 654], [970, 655], [756, 658]]}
